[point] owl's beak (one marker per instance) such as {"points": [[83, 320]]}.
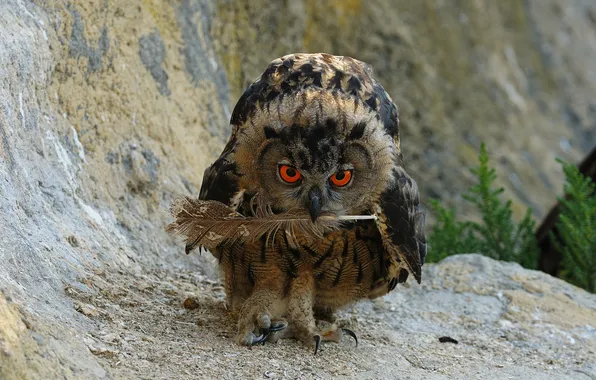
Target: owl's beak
{"points": [[314, 203]]}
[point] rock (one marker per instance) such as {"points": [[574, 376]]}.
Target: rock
{"points": [[507, 321], [190, 303], [101, 349], [86, 309], [110, 109]]}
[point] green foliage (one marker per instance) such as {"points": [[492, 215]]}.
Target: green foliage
{"points": [[498, 236], [450, 236], [577, 229]]}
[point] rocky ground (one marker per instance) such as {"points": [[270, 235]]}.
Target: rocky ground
{"points": [[508, 323]]}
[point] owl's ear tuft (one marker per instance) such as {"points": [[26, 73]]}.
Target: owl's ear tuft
{"points": [[357, 131], [270, 133]]}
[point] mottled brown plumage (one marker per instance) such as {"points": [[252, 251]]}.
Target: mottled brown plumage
{"points": [[318, 134]]}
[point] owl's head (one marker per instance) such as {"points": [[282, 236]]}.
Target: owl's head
{"points": [[314, 133], [328, 158]]}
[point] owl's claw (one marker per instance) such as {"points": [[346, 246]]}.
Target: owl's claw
{"points": [[352, 334], [259, 339], [265, 332], [278, 325], [333, 335], [317, 339]]}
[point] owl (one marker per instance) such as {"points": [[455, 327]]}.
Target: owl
{"points": [[318, 134]]}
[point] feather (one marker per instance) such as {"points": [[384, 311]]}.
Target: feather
{"points": [[408, 252], [401, 223], [211, 223], [404, 254]]}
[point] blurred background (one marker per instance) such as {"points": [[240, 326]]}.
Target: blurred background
{"points": [[518, 75]]}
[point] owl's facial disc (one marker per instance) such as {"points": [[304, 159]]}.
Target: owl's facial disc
{"points": [[314, 185], [292, 177], [321, 168]]}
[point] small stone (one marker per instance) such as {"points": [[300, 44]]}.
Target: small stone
{"points": [[100, 349], [86, 309], [110, 337], [170, 290], [38, 338], [73, 241], [103, 351], [191, 303], [447, 339]]}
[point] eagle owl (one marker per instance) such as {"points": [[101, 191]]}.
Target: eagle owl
{"points": [[317, 133]]}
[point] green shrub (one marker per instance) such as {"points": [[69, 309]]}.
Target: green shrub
{"points": [[498, 236], [577, 229]]}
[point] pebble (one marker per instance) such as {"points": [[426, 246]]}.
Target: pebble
{"points": [[191, 303], [86, 309]]}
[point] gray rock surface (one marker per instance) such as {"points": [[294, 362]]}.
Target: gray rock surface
{"points": [[110, 109], [509, 322]]}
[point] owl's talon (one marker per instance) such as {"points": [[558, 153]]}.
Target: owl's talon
{"points": [[280, 329], [317, 339], [352, 334], [332, 334], [252, 339], [278, 326], [257, 339]]}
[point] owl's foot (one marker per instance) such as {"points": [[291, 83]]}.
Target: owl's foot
{"points": [[251, 327], [264, 305], [333, 334], [325, 314], [330, 333], [259, 330], [276, 328]]}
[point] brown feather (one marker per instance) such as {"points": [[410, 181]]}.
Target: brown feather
{"points": [[211, 223]]}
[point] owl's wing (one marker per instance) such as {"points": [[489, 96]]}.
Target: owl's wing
{"points": [[401, 222], [221, 179]]}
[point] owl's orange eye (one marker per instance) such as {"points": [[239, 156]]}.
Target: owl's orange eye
{"points": [[341, 178], [289, 174]]}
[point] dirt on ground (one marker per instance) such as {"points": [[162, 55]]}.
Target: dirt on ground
{"points": [[474, 318]]}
